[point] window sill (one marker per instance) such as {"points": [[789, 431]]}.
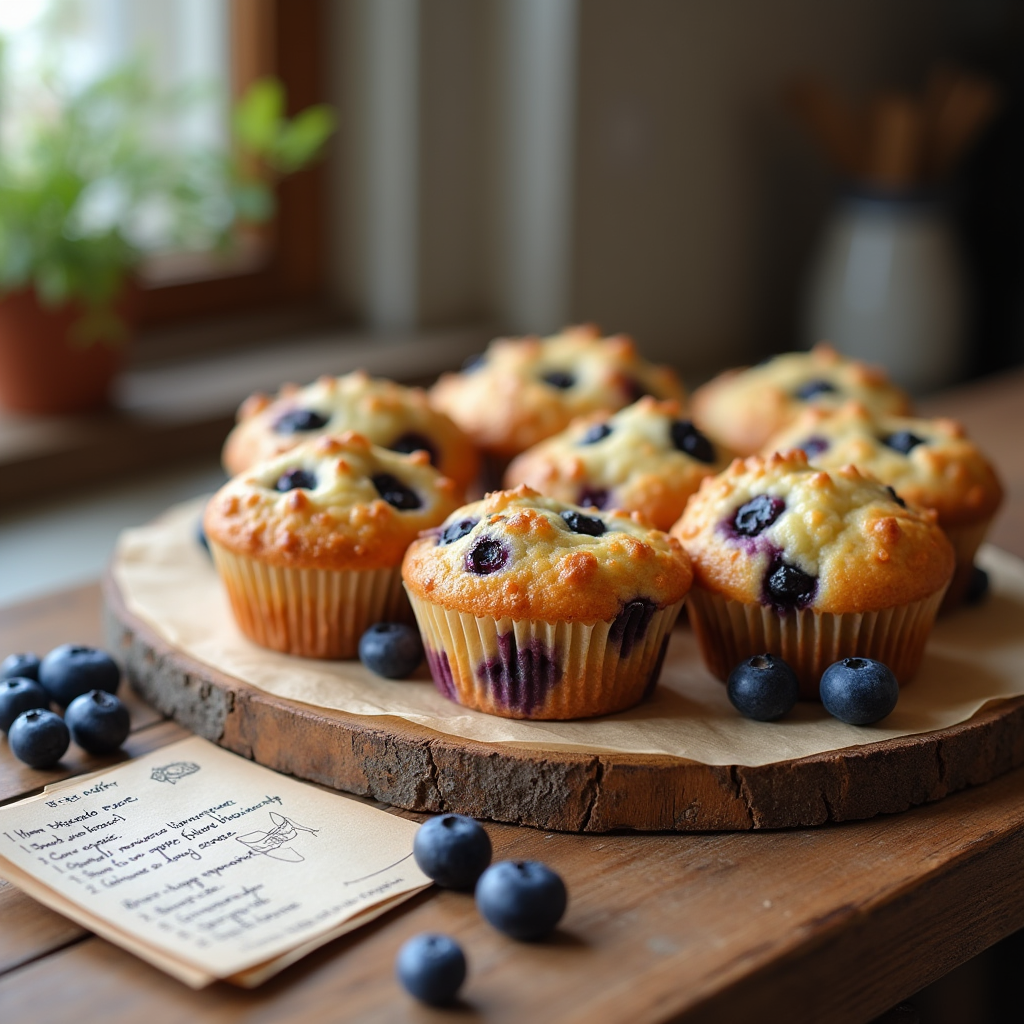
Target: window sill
{"points": [[176, 403]]}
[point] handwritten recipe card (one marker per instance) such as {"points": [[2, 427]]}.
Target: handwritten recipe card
{"points": [[206, 864]]}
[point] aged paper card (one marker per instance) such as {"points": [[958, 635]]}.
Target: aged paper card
{"points": [[206, 864]]}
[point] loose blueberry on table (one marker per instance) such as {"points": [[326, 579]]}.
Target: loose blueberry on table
{"points": [[20, 666], [977, 588], [859, 691], [453, 850], [70, 670], [98, 722], [763, 688], [522, 898], [39, 738], [432, 968], [391, 649], [18, 695]]}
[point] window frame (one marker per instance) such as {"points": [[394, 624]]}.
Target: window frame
{"points": [[282, 38]]}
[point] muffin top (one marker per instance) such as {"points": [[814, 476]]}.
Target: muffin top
{"points": [[387, 413], [519, 555], [743, 408], [522, 390], [646, 458], [929, 463], [331, 503], [776, 531]]}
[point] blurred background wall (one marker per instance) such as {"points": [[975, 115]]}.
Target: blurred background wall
{"points": [[531, 162]]}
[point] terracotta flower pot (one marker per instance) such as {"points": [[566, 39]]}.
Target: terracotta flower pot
{"points": [[48, 363]]}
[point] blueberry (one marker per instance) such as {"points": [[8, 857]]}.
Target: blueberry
{"points": [[432, 968], [486, 556], [815, 387], [456, 531], [295, 479], [859, 691], [903, 441], [596, 496], [21, 666], [787, 586], [522, 898], [977, 588], [473, 362], [453, 850], [763, 688], [579, 523], [814, 445], [201, 539], [596, 433], [98, 721], [560, 379], [297, 421], [687, 438], [70, 670], [39, 738], [395, 493], [391, 649], [412, 442], [18, 694], [756, 515], [895, 497]]}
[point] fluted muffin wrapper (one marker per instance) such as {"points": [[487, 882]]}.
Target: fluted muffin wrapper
{"points": [[313, 613], [965, 540], [731, 631], [544, 670]]}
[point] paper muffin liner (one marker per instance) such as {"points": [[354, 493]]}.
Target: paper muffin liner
{"points": [[965, 540], [545, 670], [314, 613], [730, 632]]}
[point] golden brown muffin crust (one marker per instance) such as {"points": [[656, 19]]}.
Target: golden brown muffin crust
{"points": [[342, 522], [547, 571], [846, 530], [526, 389]]}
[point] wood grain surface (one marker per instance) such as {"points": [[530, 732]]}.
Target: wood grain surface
{"points": [[836, 923]]}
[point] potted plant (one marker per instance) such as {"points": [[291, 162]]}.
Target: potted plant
{"points": [[84, 196]]}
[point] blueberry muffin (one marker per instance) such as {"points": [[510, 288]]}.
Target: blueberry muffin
{"points": [[532, 608], [812, 566], [929, 463], [743, 408], [523, 390], [646, 458], [309, 543], [388, 414]]}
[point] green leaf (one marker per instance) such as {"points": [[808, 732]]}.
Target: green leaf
{"points": [[301, 139], [258, 115]]}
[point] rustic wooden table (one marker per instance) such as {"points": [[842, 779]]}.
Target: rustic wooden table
{"points": [[835, 923]]}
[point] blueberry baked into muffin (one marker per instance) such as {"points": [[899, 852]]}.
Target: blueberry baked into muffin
{"points": [[929, 463], [388, 414], [533, 608], [646, 458], [522, 390], [309, 544], [743, 408], [812, 566]]}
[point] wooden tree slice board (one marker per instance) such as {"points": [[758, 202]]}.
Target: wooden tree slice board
{"points": [[409, 766]]}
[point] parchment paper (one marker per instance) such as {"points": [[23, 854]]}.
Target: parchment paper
{"points": [[974, 656]]}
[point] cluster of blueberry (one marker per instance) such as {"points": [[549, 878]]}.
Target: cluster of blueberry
{"points": [[523, 899], [857, 691], [83, 681]]}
